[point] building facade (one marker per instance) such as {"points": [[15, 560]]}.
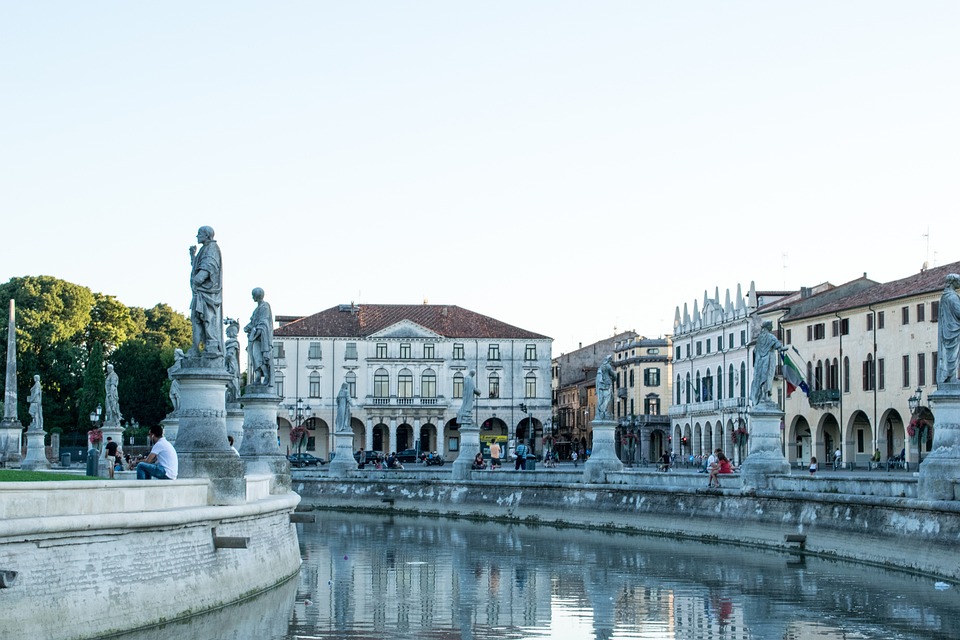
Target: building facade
{"points": [[644, 384], [864, 355], [406, 367]]}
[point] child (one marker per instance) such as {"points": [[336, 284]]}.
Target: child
{"points": [[813, 465]]}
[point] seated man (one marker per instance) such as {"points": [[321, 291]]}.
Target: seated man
{"points": [[162, 461]]}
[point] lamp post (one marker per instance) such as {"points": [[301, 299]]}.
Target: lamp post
{"points": [[95, 416], [528, 411], [914, 402], [297, 413]]}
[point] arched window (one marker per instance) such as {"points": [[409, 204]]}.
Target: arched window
{"points": [[405, 384], [689, 390], [351, 379], [315, 384], [428, 384], [730, 380], [530, 385], [818, 376], [833, 379], [743, 379], [846, 374], [381, 384], [679, 386], [458, 385], [696, 389], [719, 383], [494, 385]]}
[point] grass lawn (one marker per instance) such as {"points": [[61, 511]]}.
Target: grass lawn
{"points": [[15, 475]]}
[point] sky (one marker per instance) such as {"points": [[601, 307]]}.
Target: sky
{"points": [[570, 168]]}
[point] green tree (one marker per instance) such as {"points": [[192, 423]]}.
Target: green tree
{"points": [[110, 324], [168, 327], [140, 366], [92, 393]]}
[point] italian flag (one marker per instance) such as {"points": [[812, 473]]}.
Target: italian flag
{"points": [[793, 377]]}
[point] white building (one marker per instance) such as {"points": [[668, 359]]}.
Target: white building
{"points": [[712, 369], [405, 366]]}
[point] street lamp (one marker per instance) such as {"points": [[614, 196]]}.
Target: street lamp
{"points": [[95, 416], [914, 402], [528, 411], [297, 413]]}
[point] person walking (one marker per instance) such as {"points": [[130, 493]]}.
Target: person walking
{"points": [[521, 463]]}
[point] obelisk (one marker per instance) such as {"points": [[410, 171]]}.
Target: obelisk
{"points": [[10, 427]]}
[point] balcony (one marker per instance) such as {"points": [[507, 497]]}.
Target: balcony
{"points": [[824, 398], [394, 401]]}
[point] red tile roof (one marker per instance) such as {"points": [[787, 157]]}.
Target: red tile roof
{"points": [[367, 319], [925, 282]]}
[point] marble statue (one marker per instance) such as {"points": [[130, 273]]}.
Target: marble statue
{"points": [[343, 409], [948, 331], [605, 378], [764, 363], [470, 393], [231, 359], [206, 284], [111, 382], [36, 405], [260, 342], [174, 382]]}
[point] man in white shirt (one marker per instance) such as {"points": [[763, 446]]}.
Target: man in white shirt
{"points": [[162, 461]]}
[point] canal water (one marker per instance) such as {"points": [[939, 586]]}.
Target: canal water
{"points": [[381, 577]]}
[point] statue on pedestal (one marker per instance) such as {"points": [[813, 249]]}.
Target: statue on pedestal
{"points": [[260, 342], [948, 331], [465, 414], [174, 382], [36, 405], [764, 363], [605, 378], [206, 281], [343, 409], [231, 359], [112, 399]]}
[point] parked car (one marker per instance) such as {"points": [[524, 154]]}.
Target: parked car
{"points": [[304, 460], [407, 455]]}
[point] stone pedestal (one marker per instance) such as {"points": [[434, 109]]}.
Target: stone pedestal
{"points": [[940, 470], [110, 430], [469, 448], [343, 461], [36, 457], [260, 451], [10, 434], [765, 457], [603, 453], [202, 448], [235, 423], [171, 428]]}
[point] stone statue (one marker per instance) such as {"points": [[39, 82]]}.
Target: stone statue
{"points": [[605, 378], [764, 363], [231, 359], [175, 384], [112, 397], [260, 342], [206, 283], [948, 331], [465, 414], [343, 409], [36, 405]]}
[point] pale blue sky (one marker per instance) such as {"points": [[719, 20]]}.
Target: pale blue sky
{"points": [[566, 167]]}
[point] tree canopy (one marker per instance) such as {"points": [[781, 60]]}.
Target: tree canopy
{"points": [[66, 332]]}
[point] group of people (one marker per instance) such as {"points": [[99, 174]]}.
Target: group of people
{"points": [[717, 465]]}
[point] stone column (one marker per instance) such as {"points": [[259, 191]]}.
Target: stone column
{"points": [[202, 448], [235, 423], [940, 470], [260, 451], [603, 455], [10, 427], [469, 447], [368, 436], [765, 457], [392, 440]]}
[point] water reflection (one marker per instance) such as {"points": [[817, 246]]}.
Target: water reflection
{"points": [[379, 577]]}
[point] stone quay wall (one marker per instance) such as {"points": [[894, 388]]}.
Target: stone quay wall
{"points": [[877, 521], [115, 556]]}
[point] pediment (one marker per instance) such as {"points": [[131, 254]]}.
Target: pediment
{"points": [[406, 329]]}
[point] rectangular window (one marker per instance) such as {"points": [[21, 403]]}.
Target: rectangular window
{"points": [[493, 352], [869, 322], [935, 311], [651, 406], [922, 369], [920, 312], [933, 365], [381, 350], [834, 328], [730, 342], [530, 353], [819, 331], [651, 377], [708, 345], [809, 333], [405, 350], [530, 386], [314, 353], [881, 374], [458, 351], [631, 378], [494, 391], [880, 319], [278, 351], [868, 374], [278, 385], [351, 351], [845, 327], [678, 354], [906, 371], [743, 338], [314, 386], [688, 350], [699, 348], [428, 351], [719, 343], [458, 386], [905, 315], [788, 338]]}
